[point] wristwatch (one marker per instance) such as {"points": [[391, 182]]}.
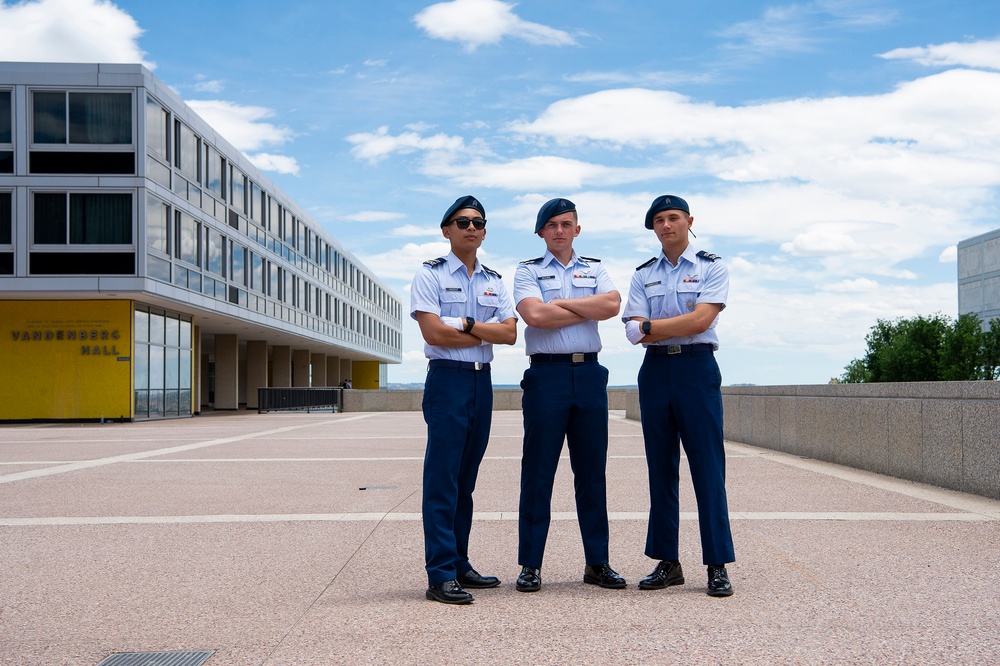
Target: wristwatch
{"points": [[646, 327], [469, 323]]}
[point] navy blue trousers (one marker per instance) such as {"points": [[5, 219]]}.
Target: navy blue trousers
{"points": [[680, 399], [458, 410], [564, 401]]}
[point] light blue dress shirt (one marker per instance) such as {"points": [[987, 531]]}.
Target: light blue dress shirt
{"points": [[545, 279], [661, 291], [443, 287]]}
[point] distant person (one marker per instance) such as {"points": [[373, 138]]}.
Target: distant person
{"points": [[673, 305], [561, 296], [347, 383], [462, 309]]}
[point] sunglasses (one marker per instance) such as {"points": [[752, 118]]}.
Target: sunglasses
{"points": [[464, 222]]}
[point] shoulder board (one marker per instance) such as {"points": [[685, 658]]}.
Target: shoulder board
{"points": [[591, 259], [491, 271], [435, 262], [532, 261], [708, 255], [648, 263]]}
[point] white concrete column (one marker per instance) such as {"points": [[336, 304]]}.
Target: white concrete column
{"points": [[345, 369], [256, 370], [206, 386], [333, 371], [281, 366], [196, 360], [227, 371]]}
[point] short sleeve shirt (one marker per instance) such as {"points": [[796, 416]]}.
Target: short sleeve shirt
{"points": [[660, 290], [545, 279], [443, 287]]}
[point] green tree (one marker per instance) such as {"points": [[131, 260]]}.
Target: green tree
{"points": [[928, 348]]}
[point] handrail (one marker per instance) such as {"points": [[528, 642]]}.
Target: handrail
{"points": [[274, 399]]}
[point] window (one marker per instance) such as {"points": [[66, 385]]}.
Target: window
{"points": [[163, 364], [157, 129], [6, 133], [188, 239], [157, 224], [82, 118], [238, 185], [187, 152], [6, 217], [237, 264], [215, 172], [216, 253], [257, 198], [87, 218]]}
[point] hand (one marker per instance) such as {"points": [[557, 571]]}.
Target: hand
{"points": [[454, 322], [633, 331]]}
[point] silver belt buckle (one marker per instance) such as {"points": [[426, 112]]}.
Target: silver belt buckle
{"points": [[479, 365], [577, 358], [673, 349]]}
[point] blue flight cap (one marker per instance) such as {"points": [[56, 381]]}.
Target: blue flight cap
{"points": [[467, 201], [665, 202], [552, 208]]}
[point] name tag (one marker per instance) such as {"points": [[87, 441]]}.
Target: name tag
{"points": [[653, 284]]}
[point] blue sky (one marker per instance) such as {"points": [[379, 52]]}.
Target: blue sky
{"points": [[833, 152]]}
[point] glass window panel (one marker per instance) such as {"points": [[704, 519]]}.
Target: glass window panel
{"points": [[141, 366], [215, 169], [100, 219], [171, 364], [155, 367], [172, 331], [156, 328], [157, 224], [142, 404], [103, 118], [156, 403], [289, 228], [141, 326], [157, 129], [5, 117], [50, 218], [184, 372], [194, 281], [215, 252], [274, 214], [238, 185], [185, 336], [188, 239], [188, 146], [170, 407], [257, 274], [49, 117], [184, 402], [238, 263], [256, 204], [6, 217]]}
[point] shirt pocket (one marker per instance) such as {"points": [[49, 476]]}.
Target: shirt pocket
{"points": [[588, 282], [656, 299], [550, 289], [687, 295], [453, 303]]}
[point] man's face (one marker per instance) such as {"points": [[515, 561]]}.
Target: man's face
{"points": [[671, 228], [559, 232], [469, 238]]}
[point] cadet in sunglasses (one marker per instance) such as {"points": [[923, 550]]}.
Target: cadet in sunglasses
{"points": [[462, 309]]}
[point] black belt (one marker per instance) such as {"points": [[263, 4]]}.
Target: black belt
{"points": [[657, 350], [462, 365], [589, 357]]}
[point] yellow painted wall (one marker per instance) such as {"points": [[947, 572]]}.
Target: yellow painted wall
{"points": [[66, 359], [364, 375]]}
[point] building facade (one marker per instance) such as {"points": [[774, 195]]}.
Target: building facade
{"points": [[979, 276], [148, 269]]}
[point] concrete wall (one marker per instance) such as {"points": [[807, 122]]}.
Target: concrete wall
{"points": [[945, 434], [409, 401]]}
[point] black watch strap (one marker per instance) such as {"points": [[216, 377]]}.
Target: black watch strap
{"points": [[646, 327], [469, 323]]}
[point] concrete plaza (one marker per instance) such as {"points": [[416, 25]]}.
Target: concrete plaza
{"points": [[296, 539]]}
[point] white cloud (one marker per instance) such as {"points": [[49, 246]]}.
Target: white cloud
{"points": [[983, 54], [474, 23], [853, 286], [374, 216], [276, 163], [949, 255], [378, 145], [205, 85], [93, 31], [242, 126]]}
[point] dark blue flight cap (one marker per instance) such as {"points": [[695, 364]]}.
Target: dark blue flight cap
{"points": [[552, 208], [467, 201], [665, 202]]}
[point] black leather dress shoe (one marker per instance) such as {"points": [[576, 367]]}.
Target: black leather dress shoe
{"points": [[474, 580], [666, 573], [530, 580], [449, 592], [718, 581], [603, 575]]}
